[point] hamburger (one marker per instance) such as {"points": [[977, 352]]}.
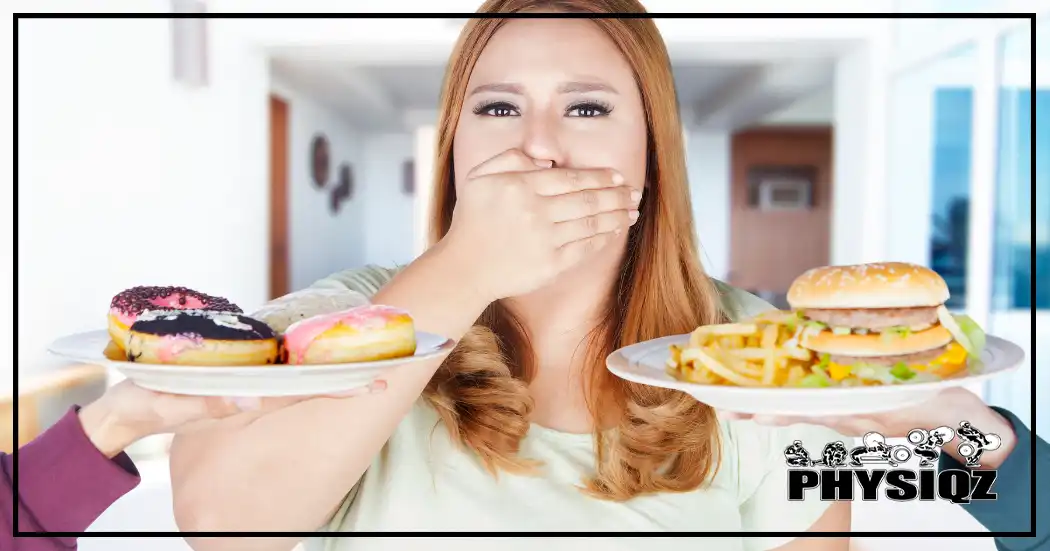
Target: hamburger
{"points": [[884, 322]]}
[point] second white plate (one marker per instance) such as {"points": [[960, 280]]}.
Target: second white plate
{"points": [[646, 363], [270, 380]]}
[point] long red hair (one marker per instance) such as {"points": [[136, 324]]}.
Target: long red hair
{"points": [[663, 440]]}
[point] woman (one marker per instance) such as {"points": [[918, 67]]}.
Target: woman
{"points": [[561, 231], [77, 468]]}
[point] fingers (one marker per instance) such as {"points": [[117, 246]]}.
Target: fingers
{"points": [[559, 181], [585, 220], [599, 224], [847, 425], [734, 416], [589, 202], [544, 179], [511, 160], [572, 253], [225, 407], [775, 420], [375, 387], [780, 420]]}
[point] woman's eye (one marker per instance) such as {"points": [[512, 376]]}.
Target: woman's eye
{"points": [[499, 109], [588, 110]]}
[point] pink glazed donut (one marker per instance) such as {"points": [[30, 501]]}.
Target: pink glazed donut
{"points": [[361, 334]]}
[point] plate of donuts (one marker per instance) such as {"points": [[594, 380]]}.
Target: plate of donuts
{"points": [[316, 341]]}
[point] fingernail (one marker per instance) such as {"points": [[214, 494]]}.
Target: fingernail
{"points": [[633, 215], [617, 178], [636, 196], [377, 386]]}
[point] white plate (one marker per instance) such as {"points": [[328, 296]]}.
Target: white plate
{"points": [[270, 380], [646, 363]]}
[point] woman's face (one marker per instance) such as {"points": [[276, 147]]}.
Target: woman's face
{"points": [[559, 90]]}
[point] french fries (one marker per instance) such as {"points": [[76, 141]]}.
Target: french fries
{"points": [[760, 352], [765, 351]]}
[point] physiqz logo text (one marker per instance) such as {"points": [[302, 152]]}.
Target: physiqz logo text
{"points": [[831, 476]]}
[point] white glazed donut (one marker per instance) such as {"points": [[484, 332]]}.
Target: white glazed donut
{"points": [[282, 312]]}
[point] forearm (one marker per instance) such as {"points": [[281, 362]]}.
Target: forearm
{"points": [[286, 470], [240, 476], [65, 483], [438, 291]]}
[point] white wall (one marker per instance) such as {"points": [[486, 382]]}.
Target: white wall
{"points": [[320, 242], [709, 163], [388, 215], [910, 151], [909, 170], [858, 220], [817, 108], [424, 143], [127, 179]]}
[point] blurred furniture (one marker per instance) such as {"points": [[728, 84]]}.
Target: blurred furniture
{"points": [[44, 398]]}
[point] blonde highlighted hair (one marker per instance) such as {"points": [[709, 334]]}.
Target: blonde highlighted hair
{"points": [[662, 440]]}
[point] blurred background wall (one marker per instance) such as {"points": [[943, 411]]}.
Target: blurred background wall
{"points": [[248, 158]]}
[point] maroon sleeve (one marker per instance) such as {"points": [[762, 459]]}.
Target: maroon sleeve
{"points": [[64, 484]]}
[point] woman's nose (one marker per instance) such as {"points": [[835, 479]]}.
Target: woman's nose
{"points": [[541, 139]]}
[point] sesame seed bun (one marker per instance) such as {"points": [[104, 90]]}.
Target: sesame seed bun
{"points": [[874, 344], [879, 285]]}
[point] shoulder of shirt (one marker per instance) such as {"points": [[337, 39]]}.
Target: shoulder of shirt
{"points": [[738, 303], [366, 280]]}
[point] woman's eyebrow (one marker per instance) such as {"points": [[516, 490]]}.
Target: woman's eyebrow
{"points": [[576, 87], [571, 87], [506, 87]]}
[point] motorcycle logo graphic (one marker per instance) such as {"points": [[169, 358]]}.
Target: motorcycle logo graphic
{"points": [[874, 450]]}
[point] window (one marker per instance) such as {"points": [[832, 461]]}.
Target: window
{"points": [[929, 166], [1020, 237], [950, 173], [912, 34], [1019, 240], [931, 136]]}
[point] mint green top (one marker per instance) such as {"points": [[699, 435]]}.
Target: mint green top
{"points": [[367, 281], [423, 481]]}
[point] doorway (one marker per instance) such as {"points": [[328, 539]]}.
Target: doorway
{"points": [[780, 207], [278, 197]]}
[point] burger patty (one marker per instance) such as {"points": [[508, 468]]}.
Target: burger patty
{"points": [[890, 361], [873, 319]]}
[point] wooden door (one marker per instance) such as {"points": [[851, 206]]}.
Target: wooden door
{"points": [[279, 253], [770, 248]]}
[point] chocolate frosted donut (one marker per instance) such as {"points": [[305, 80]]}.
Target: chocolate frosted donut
{"points": [[207, 324], [125, 308], [201, 337]]}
